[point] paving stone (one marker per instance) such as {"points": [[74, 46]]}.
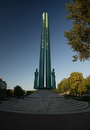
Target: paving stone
{"points": [[44, 102]]}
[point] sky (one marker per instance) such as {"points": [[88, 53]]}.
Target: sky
{"points": [[20, 35]]}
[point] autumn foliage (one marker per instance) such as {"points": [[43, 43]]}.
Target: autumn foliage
{"points": [[75, 84]]}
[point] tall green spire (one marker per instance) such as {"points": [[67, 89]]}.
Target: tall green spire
{"points": [[41, 63], [49, 84], [48, 58]]}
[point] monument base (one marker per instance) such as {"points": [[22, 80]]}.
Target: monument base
{"points": [[44, 102], [44, 88]]}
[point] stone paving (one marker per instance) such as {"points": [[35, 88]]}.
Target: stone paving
{"points": [[44, 102]]}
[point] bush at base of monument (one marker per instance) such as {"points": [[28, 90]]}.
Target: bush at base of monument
{"points": [[18, 91], [29, 92], [2, 93]]}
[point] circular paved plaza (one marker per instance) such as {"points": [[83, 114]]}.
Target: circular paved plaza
{"points": [[15, 121]]}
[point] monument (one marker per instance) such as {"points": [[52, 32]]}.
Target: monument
{"points": [[50, 76], [45, 100]]}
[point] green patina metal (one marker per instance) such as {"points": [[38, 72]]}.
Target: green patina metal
{"points": [[53, 80], [41, 63], [48, 59], [36, 80]]}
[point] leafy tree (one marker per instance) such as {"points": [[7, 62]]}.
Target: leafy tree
{"points": [[75, 80], [59, 87], [88, 84], [71, 91], [79, 36], [82, 88], [29, 92], [2, 93], [18, 91], [63, 86], [9, 92], [56, 90]]}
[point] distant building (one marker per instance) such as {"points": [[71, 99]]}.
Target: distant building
{"points": [[3, 84]]}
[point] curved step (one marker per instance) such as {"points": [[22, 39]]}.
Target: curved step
{"points": [[44, 102]]}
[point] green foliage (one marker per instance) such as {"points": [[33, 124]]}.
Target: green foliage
{"points": [[9, 92], [82, 88], [2, 93], [29, 92], [75, 80], [59, 87], [88, 84], [75, 84], [79, 36], [63, 86], [56, 90], [86, 98], [18, 91]]}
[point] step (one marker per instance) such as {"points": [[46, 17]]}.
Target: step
{"points": [[44, 101]]}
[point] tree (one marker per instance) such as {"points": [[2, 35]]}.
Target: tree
{"points": [[88, 84], [2, 93], [9, 92], [63, 86], [75, 80], [18, 91], [56, 90], [29, 92], [69, 86], [59, 87], [82, 88], [79, 36]]}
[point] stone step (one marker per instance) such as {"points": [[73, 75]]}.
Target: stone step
{"points": [[49, 110], [53, 106], [70, 103], [44, 101]]}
